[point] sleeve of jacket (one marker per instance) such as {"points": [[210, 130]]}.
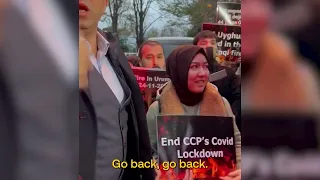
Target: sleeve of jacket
{"points": [[8, 139], [144, 141], [152, 114]]}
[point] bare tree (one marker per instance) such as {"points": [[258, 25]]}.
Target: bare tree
{"points": [[116, 10], [153, 32], [141, 8], [193, 12], [172, 31]]}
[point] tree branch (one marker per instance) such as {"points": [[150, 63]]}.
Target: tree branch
{"points": [[146, 9], [146, 28], [110, 9]]}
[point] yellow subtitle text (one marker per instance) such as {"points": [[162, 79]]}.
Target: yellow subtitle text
{"points": [[117, 164], [134, 164]]}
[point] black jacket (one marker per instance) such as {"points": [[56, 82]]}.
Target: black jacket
{"points": [[229, 87], [139, 148], [8, 128]]}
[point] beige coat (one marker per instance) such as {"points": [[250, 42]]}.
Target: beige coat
{"points": [[213, 104]]}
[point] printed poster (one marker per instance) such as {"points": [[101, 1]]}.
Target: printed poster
{"points": [[228, 41], [229, 13], [203, 144], [150, 80]]}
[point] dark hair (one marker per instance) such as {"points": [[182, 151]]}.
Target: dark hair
{"points": [[178, 65], [150, 43], [134, 60], [204, 34]]}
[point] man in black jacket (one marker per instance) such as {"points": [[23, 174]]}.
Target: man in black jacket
{"points": [[113, 126], [229, 86]]}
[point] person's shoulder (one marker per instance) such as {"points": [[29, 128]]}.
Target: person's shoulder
{"points": [[111, 37], [154, 106], [153, 109], [229, 71], [225, 101], [228, 107], [213, 86], [219, 67]]}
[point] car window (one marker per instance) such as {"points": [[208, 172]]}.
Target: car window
{"points": [[169, 47]]}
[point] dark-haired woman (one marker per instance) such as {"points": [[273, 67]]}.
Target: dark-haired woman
{"points": [[190, 93]]}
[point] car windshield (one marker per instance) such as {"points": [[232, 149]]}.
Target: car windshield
{"points": [[168, 47]]}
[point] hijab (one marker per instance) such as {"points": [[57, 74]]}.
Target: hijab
{"points": [[178, 64]]}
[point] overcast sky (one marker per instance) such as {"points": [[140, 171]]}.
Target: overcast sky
{"points": [[153, 14]]}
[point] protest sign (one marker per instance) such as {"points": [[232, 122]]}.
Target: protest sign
{"points": [[217, 75], [229, 13], [150, 80], [203, 144], [228, 41]]}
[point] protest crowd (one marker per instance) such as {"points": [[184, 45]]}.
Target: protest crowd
{"points": [[194, 91], [190, 80], [161, 113]]}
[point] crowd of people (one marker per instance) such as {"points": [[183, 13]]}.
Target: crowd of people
{"points": [[46, 118], [151, 55], [117, 126]]}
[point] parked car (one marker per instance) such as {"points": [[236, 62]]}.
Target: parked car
{"points": [[131, 54], [170, 43]]}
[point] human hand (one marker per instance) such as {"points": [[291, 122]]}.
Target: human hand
{"points": [[235, 175], [84, 62]]}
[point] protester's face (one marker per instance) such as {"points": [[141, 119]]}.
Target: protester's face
{"points": [[207, 42], [153, 57], [90, 12], [198, 74]]}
